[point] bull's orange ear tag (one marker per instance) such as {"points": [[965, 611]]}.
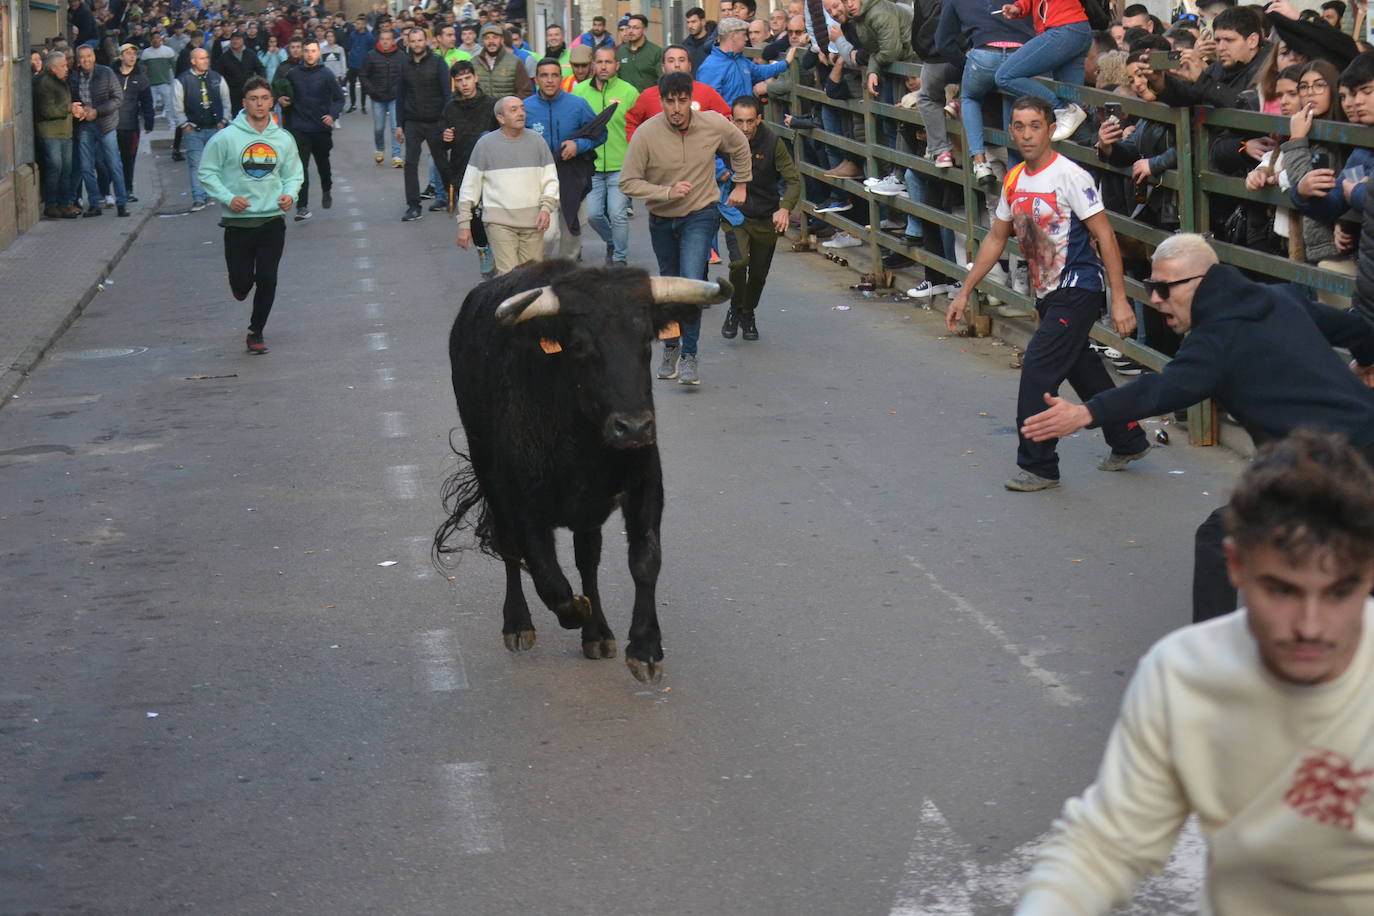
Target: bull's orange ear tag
{"points": [[669, 331], [550, 346]]}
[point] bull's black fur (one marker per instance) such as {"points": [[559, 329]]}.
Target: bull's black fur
{"points": [[548, 447]]}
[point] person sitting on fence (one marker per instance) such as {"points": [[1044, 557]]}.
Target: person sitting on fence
{"points": [[1061, 42], [939, 70]]}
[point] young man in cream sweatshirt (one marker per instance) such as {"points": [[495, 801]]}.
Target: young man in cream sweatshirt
{"points": [[1260, 722]]}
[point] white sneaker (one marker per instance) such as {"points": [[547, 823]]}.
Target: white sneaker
{"points": [[839, 206], [843, 240], [870, 181], [892, 224], [891, 186], [983, 174], [926, 289], [1066, 121]]}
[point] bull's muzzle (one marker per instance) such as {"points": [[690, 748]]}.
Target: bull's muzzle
{"points": [[627, 430]]}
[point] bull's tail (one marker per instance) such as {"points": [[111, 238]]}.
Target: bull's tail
{"points": [[467, 510]]}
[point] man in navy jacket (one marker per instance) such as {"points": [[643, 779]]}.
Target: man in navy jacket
{"points": [[1264, 351], [316, 103]]}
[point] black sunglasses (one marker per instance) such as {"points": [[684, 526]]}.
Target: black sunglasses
{"points": [[1162, 288]]}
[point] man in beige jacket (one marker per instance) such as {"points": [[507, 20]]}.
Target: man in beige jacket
{"points": [[671, 164]]}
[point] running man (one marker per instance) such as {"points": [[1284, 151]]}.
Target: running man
{"points": [[252, 168], [670, 163], [1054, 208]]}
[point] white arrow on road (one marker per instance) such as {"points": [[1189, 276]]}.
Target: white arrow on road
{"points": [[944, 878]]}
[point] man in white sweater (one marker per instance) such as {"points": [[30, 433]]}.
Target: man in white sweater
{"points": [[512, 175], [1260, 722]]}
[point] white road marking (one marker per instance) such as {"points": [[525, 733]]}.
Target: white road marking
{"points": [[420, 556], [373, 310], [944, 878], [467, 790], [358, 226], [354, 211], [403, 481], [378, 341], [361, 244], [441, 666], [1056, 689], [393, 424], [367, 284], [362, 262], [386, 378]]}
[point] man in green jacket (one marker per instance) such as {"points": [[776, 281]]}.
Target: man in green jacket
{"points": [[252, 168], [765, 215], [605, 204], [52, 116], [641, 61]]}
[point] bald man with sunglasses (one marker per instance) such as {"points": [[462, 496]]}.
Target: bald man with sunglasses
{"points": [[1264, 351]]}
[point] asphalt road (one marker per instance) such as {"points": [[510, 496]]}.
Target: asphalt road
{"points": [[231, 681]]}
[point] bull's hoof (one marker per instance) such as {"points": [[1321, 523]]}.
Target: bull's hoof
{"points": [[576, 612], [519, 641], [644, 672], [598, 648]]}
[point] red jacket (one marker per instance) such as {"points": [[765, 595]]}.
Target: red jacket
{"points": [[704, 98], [1049, 14], [284, 28]]}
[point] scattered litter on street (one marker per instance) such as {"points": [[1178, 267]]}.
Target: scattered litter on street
{"points": [[839, 308], [151, 715], [198, 378], [1176, 472], [387, 563]]}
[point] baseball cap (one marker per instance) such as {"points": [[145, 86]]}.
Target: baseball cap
{"points": [[126, 46], [492, 28]]}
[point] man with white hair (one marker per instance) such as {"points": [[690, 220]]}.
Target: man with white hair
{"points": [[512, 173], [1264, 350]]}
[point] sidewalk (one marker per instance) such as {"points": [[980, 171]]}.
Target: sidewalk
{"points": [[54, 270]]}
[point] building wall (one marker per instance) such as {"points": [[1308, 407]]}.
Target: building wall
{"points": [[19, 207]]}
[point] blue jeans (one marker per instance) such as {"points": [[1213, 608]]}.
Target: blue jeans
{"points": [[193, 145], [57, 171], [682, 245], [100, 155], [980, 80], [606, 214], [1057, 53], [380, 130]]}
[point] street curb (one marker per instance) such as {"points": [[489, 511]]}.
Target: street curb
{"points": [[13, 377]]}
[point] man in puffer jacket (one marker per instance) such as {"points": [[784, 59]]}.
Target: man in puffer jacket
{"points": [[97, 88]]}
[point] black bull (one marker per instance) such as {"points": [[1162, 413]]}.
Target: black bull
{"points": [[551, 371]]}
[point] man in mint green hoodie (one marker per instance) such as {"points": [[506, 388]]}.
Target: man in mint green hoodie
{"points": [[252, 168], [605, 204]]}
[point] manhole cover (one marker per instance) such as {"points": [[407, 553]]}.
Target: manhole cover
{"points": [[102, 353]]}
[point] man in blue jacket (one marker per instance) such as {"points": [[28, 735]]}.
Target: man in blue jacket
{"points": [[728, 71], [359, 42], [316, 102], [1265, 351], [558, 117]]}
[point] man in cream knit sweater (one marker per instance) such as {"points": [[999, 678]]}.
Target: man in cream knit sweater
{"points": [[1260, 722], [511, 173]]}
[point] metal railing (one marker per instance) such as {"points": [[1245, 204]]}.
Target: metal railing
{"points": [[1200, 192]]}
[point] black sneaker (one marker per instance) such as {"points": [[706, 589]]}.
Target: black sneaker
{"points": [[438, 205], [895, 260], [326, 200], [255, 344], [121, 211], [303, 214], [413, 213], [133, 199], [731, 326], [178, 156], [746, 324], [92, 211], [427, 193]]}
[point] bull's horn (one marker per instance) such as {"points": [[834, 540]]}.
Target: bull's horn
{"points": [[688, 292], [532, 303]]}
